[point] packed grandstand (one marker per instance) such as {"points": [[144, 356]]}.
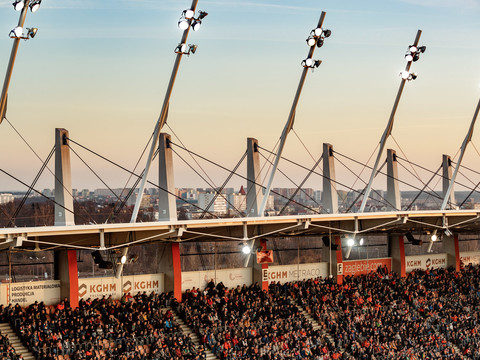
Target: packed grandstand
{"points": [[431, 314]]}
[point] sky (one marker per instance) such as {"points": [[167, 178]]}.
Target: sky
{"points": [[100, 69]]}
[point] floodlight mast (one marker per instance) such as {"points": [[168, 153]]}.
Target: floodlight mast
{"points": [[288, 125], [13, 55], [162, 119], [388, 129], [467, 139]]}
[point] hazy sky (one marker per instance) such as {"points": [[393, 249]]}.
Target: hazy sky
{"points": [[100, 69]]}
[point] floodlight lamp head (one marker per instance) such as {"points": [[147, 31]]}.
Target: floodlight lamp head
{"points": [[412, 48], [416, 57], [320, 42], [35, 5], [202, 14], [17, 32], [196, 25], [32, 32], [311, 41], [350, 242], [434, 235], [327, 33], [317, 63], [188, 14], [192, 48], [183, 23], [408, 57], [18, 5], [123, 259], [318, 31], [422, 49], [181, 49], [246, 249], [308, 62]]}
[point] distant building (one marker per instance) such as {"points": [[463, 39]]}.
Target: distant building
{"points": [[6, 198], [218, 206]]}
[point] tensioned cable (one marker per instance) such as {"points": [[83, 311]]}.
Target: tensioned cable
{"points": [[424, 187], [316, 173], [219, 191], [293, 182], [198, 164], [38, 192], [240, 176], [403, 153], [201, 177], [300, 186], [437, 196], [138, 176], [29, 191], [39, 158]]}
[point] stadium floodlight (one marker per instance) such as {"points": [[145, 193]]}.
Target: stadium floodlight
{"points": [[361, 241], [123, 259], [311, 41], [17, 32], [320, 42], [18, 4], [318, 31], [406, 75], [448, 233], [188, 19], [413, 52], [35, 5], [32, 32], [434, 236], [310, 63], [350, 242], [246, 249]]}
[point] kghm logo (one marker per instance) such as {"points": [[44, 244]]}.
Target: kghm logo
{"points": [[82, 290], [428, 263], [127, 287]]}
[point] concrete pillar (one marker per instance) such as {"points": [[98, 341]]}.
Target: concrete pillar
{"points": [[450, 246], [329, 193], [254, 191], [63, 180], [397, 253], [171, 266], [393, 190], [167, 205], [447, 177], [334, 258], [66, 270]]}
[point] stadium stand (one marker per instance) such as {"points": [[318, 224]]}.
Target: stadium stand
{"points": [[431, 314]]}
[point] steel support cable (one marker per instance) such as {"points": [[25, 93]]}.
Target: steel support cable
{"points": [[39, 158], [424, 187], [300, 186], [303, 191], [431, 193], [293, 182], [316, 173], [240, 176], [201, 177], [137, 176], [193, 158], [472, 190], [403, 153], [38, 192], [434, 193], [379, 171], [219, 191], [29, 191]]}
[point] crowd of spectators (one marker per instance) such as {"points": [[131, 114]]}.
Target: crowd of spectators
{"points": [[431, 314], [248, 323], [138, 327]]}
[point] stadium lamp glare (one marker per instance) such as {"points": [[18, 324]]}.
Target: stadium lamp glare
{"points": [[196, 25], [18, 5], [350, 242], [311, 41], [123, 259], [361, 241], [16, 32], [434, 236], [246, 249], [35, 5]]}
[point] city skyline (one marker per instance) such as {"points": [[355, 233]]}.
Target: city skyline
{"points": [[100, 70]]}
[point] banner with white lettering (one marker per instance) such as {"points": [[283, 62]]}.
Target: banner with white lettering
{"points": [[470, 257], [283, 274], [26, 293], [106, 286], [424, 262], [229, 277], [361, 267]]}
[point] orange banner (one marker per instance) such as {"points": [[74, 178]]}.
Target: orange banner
{"points": [[360, 267], [264, 256]]}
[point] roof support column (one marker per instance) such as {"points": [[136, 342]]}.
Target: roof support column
{"points": [[393, 190], [329, 193], [254, 190], [63, 180]]}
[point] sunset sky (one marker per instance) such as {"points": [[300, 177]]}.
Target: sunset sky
{"points": [[100, 69]]}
